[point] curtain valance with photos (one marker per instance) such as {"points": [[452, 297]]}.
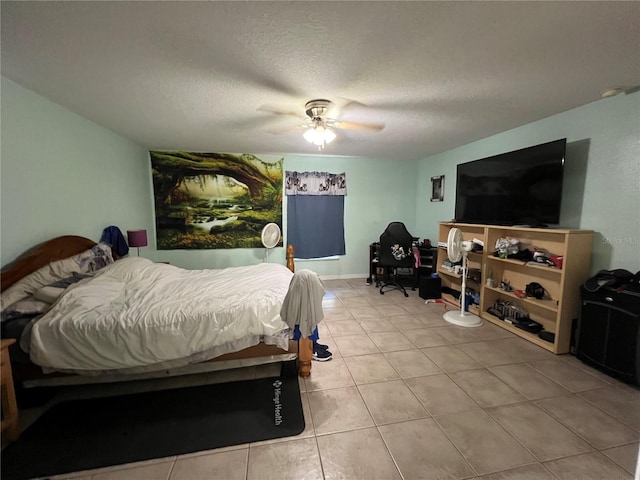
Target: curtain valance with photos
{"points": [[315, 183]]}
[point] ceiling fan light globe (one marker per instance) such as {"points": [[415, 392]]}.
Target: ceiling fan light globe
{"points": [[311, 136], [319, 135], [329, 136]]}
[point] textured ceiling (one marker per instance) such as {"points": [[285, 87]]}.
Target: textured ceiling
{"points": [[193, 75]]}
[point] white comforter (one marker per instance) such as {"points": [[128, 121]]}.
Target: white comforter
{"points": [[137, 313]]}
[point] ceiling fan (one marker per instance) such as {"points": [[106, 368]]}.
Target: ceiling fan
{"points": [[319, 123]]}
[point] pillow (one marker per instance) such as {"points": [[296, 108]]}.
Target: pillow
{"points": [[95, 258], [48, 294], [52, 292], [27, 307], [88, 261]]}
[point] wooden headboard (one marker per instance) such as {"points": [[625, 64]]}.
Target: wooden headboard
{"points": [[41, 255]]}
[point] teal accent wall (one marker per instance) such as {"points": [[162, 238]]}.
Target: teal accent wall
{"points": [[64, 175], [601, 189]]}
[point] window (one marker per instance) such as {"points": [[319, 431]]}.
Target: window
{"points": [[315, 225], [315, 213]]}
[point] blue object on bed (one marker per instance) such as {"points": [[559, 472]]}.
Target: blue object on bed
{"points": [[113, 236]]}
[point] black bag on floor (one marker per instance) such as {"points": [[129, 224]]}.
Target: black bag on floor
{"points": [[611, 278]]}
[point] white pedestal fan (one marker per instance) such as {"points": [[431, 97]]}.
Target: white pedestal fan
{"points": [[458, 248], [270, 238]]}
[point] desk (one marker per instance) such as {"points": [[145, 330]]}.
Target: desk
{"points": [[428, 256]]}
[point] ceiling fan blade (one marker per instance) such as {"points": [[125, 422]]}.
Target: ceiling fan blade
{"points": [[275, 111], [283, 130], [359, 126], [352, 104]]}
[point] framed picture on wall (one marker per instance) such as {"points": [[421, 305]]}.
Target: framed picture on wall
{"points": [[437, 188]]}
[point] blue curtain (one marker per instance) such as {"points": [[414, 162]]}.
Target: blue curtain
{"points": [[315, 225]]}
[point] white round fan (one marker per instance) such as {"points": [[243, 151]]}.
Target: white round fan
{"points": [[270, 238], [457, 249]]}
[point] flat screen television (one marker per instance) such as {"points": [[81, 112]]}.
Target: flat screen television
{"points": [[523, 187]]}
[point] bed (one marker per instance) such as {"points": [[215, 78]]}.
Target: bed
{"points": [[132, 318]]}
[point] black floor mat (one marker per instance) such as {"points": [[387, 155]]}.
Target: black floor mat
{"points": [[87, 434]]}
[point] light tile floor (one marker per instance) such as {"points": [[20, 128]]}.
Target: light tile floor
{"points": [[409, 396]]}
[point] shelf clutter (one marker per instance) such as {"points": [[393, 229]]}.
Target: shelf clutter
{"points": [[427, 257], [532, 274]]}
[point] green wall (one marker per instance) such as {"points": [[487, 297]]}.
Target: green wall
{"points": [[601, 190], [378, 192], [64, 175]]}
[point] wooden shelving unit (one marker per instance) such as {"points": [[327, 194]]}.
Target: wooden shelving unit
{"points": [[561, 303]]}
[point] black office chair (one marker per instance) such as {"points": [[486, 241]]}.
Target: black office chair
{"points": [[396, 251]]}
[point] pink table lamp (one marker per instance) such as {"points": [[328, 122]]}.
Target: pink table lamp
{"points": [[137, 238]]}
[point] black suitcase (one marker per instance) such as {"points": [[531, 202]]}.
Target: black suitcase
{"points": [[608, 331]]}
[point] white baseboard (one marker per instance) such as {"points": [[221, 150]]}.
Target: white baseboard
{"points": [[348, 276]]}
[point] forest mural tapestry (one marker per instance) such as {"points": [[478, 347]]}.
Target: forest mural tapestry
{"points": [[215, 200]]}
